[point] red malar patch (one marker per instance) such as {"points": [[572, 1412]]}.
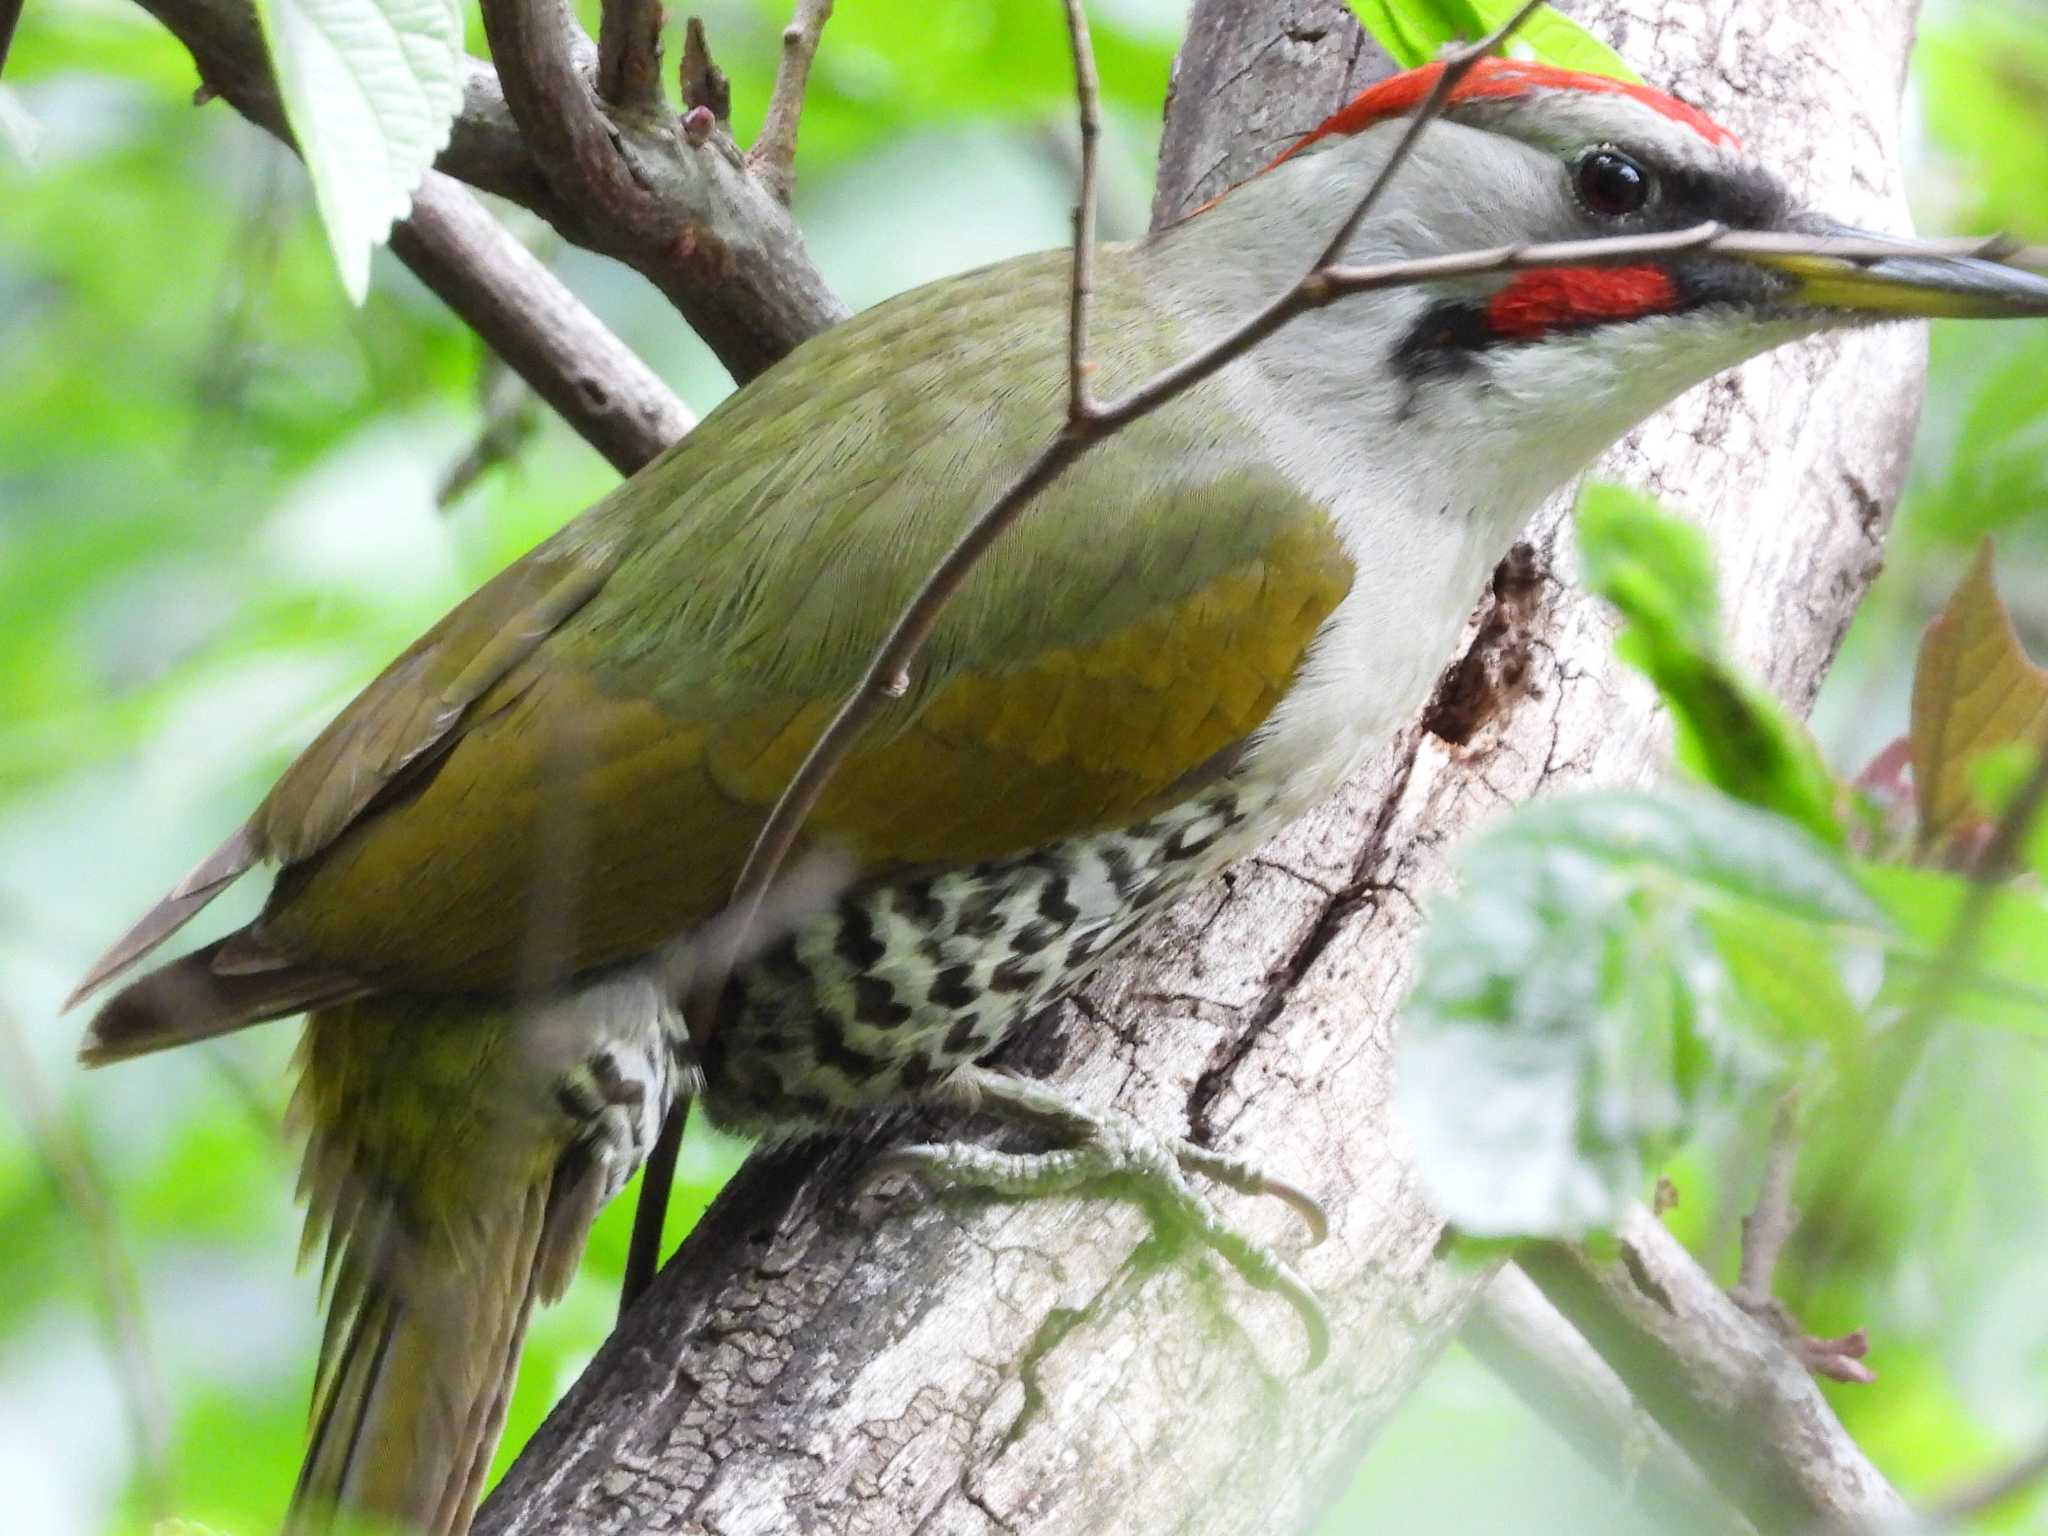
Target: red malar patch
{"points": [[1536, 303]]}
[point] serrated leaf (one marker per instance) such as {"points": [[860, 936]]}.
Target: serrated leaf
{"points": [[1974, 691], [1656, 569], [371, 89], [1414, 32], [1575, 1005]]}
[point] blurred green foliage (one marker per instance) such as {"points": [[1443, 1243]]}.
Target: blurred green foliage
{"points": [[217, 517], [1415, 32]]}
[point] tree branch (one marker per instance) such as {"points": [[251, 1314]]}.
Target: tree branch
{"points": [[542, 58], [773, 156], [453, 244], [1718, 1380], [710, 236], [1520, 1337], [971, 1367], [542, 330], [629, 55]]}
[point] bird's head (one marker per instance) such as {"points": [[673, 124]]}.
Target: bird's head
{"points": [[1562, 360]]}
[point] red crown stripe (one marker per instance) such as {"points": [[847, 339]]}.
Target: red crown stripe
{"points": [[1499, 80]]}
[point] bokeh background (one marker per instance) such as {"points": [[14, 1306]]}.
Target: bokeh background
{"points": [[223, 505]]}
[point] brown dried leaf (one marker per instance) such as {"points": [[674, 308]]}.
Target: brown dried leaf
{"points": [[1974, 690]]}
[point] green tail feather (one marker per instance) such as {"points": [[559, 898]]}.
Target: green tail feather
{"points": [[415, 1373]]}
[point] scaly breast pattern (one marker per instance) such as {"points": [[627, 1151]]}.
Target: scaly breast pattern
{"points": [[907, 978]]}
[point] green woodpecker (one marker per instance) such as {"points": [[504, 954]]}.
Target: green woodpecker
{"points": [[496, 864]]}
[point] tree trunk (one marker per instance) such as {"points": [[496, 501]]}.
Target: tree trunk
{"points": [[814, 1362]]}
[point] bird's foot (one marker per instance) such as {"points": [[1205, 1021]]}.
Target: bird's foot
{"points": [[1100, 1147]]}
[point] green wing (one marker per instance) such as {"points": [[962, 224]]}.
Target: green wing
{"points": [[570, 768]]}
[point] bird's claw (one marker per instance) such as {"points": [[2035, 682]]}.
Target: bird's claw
{"points": [[1117, 1149]]}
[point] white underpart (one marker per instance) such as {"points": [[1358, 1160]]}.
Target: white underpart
{"points": [[1429, 481]]}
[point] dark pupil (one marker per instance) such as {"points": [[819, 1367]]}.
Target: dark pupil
{"points": [[1612, 184]]}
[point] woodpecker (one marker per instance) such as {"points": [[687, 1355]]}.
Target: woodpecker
{"points": [[495, 863]]}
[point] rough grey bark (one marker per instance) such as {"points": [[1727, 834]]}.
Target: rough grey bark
{"points": [[813, 1362], [1249, 81]]}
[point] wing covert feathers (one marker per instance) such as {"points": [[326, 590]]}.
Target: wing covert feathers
{"points": [[413, 706]]}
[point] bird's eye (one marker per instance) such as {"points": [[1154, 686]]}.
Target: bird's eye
{"points": [[1612, 185]]}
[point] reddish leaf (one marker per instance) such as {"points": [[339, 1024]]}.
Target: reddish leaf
{"points": [[1974, 690]]}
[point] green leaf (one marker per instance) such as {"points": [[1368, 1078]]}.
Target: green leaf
{"points": [[1590, 991], [1414, 32], [1708, 842], [371, 89], [2002, 981], [1553, 38], [1996, 779], [1657, 570], [1791, 979], [1986, 75]]}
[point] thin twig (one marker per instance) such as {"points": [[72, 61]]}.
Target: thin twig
{"points": [[1088, 103], [77, 1182], [1985, 1494], [773, 156], [650, 1211], [511, 413], [629, 54], [1768, 1226], [1765, 1231], [1315, 287], [888, 668]]}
